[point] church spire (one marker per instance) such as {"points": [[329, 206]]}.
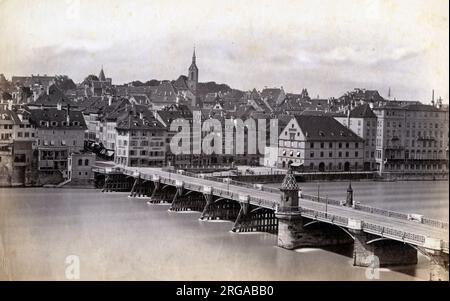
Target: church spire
{"points": [[102, 76], [193, 57]]}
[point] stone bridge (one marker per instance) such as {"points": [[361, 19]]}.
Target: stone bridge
{"points": [[379, 237]]}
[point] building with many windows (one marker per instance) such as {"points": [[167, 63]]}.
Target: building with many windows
{"points": [[140, 140], [319, 143], [363, 122], [412, 138], [59, 132]]}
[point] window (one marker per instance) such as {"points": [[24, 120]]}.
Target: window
{"points": [[356, 154], [330, 154], [80, 162], [330, 145], [356, 144], [321, 154], [322, 145], [340, 145], [86, 162], [311, 155], [346, 154], [312, 145]]}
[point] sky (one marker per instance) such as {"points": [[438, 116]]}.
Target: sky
{"points": [[326, 46]]}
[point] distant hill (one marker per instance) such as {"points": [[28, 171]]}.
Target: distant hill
{"points": [[152, 82]]}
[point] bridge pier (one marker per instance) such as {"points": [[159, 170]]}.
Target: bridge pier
{"points": [[255, 219], [374, 251], [295, 231], [162, 194], [189, 201], [117, 182], [438, 266], [141, 188], [218, 207]]}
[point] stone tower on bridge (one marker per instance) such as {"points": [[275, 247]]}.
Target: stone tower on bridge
{"points": [[290, 189]]}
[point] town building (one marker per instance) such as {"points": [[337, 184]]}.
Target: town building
{"points": [[140, 140], [412, 139], [17, 141], [59, 133], [363, 122], [80, 168], [319, 143]]}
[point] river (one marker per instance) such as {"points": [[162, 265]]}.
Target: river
{"points": [[120, 238]]}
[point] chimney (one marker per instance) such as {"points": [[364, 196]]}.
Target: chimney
{"points": [[348, 117], [68, 114]]}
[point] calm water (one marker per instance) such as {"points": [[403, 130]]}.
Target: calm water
{"points": [[120, 238]]}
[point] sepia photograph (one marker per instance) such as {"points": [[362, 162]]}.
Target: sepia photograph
{"points": [[215, 141]]}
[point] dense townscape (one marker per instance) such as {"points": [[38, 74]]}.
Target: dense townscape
{"points": [[54, 130]]}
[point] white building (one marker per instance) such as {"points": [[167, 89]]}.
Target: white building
{"points": [[319, 143], [363, 122], [412, 139]]}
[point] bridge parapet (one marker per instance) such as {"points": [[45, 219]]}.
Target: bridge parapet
{"points": [[379, 211]]}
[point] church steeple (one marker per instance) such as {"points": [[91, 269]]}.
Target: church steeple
{"points": [[102, 76], [193, 78]]}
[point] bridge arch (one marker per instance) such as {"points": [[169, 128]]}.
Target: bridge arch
{"points": [[310, 225], [321, 167], [347, 166]]}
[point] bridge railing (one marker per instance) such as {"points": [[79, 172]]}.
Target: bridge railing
{"points": [[271, 204], [378, 211], [435, 223], [321, 215], [381, 230], [262, 202], [321, 199]]}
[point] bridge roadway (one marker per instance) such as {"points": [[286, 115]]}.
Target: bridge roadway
{"points": [[405, 230]]}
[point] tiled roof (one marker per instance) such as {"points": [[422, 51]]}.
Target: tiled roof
{"points": [[362, 111], [6, 114], [270, 93], [325, 128], [138, 120], [289, 182], [51, 115]]}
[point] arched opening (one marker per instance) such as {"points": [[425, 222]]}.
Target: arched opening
{"points": [[321, 166], [347, 166]]}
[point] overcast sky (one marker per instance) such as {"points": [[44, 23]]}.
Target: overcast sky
{"points": [[328, 47]]}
